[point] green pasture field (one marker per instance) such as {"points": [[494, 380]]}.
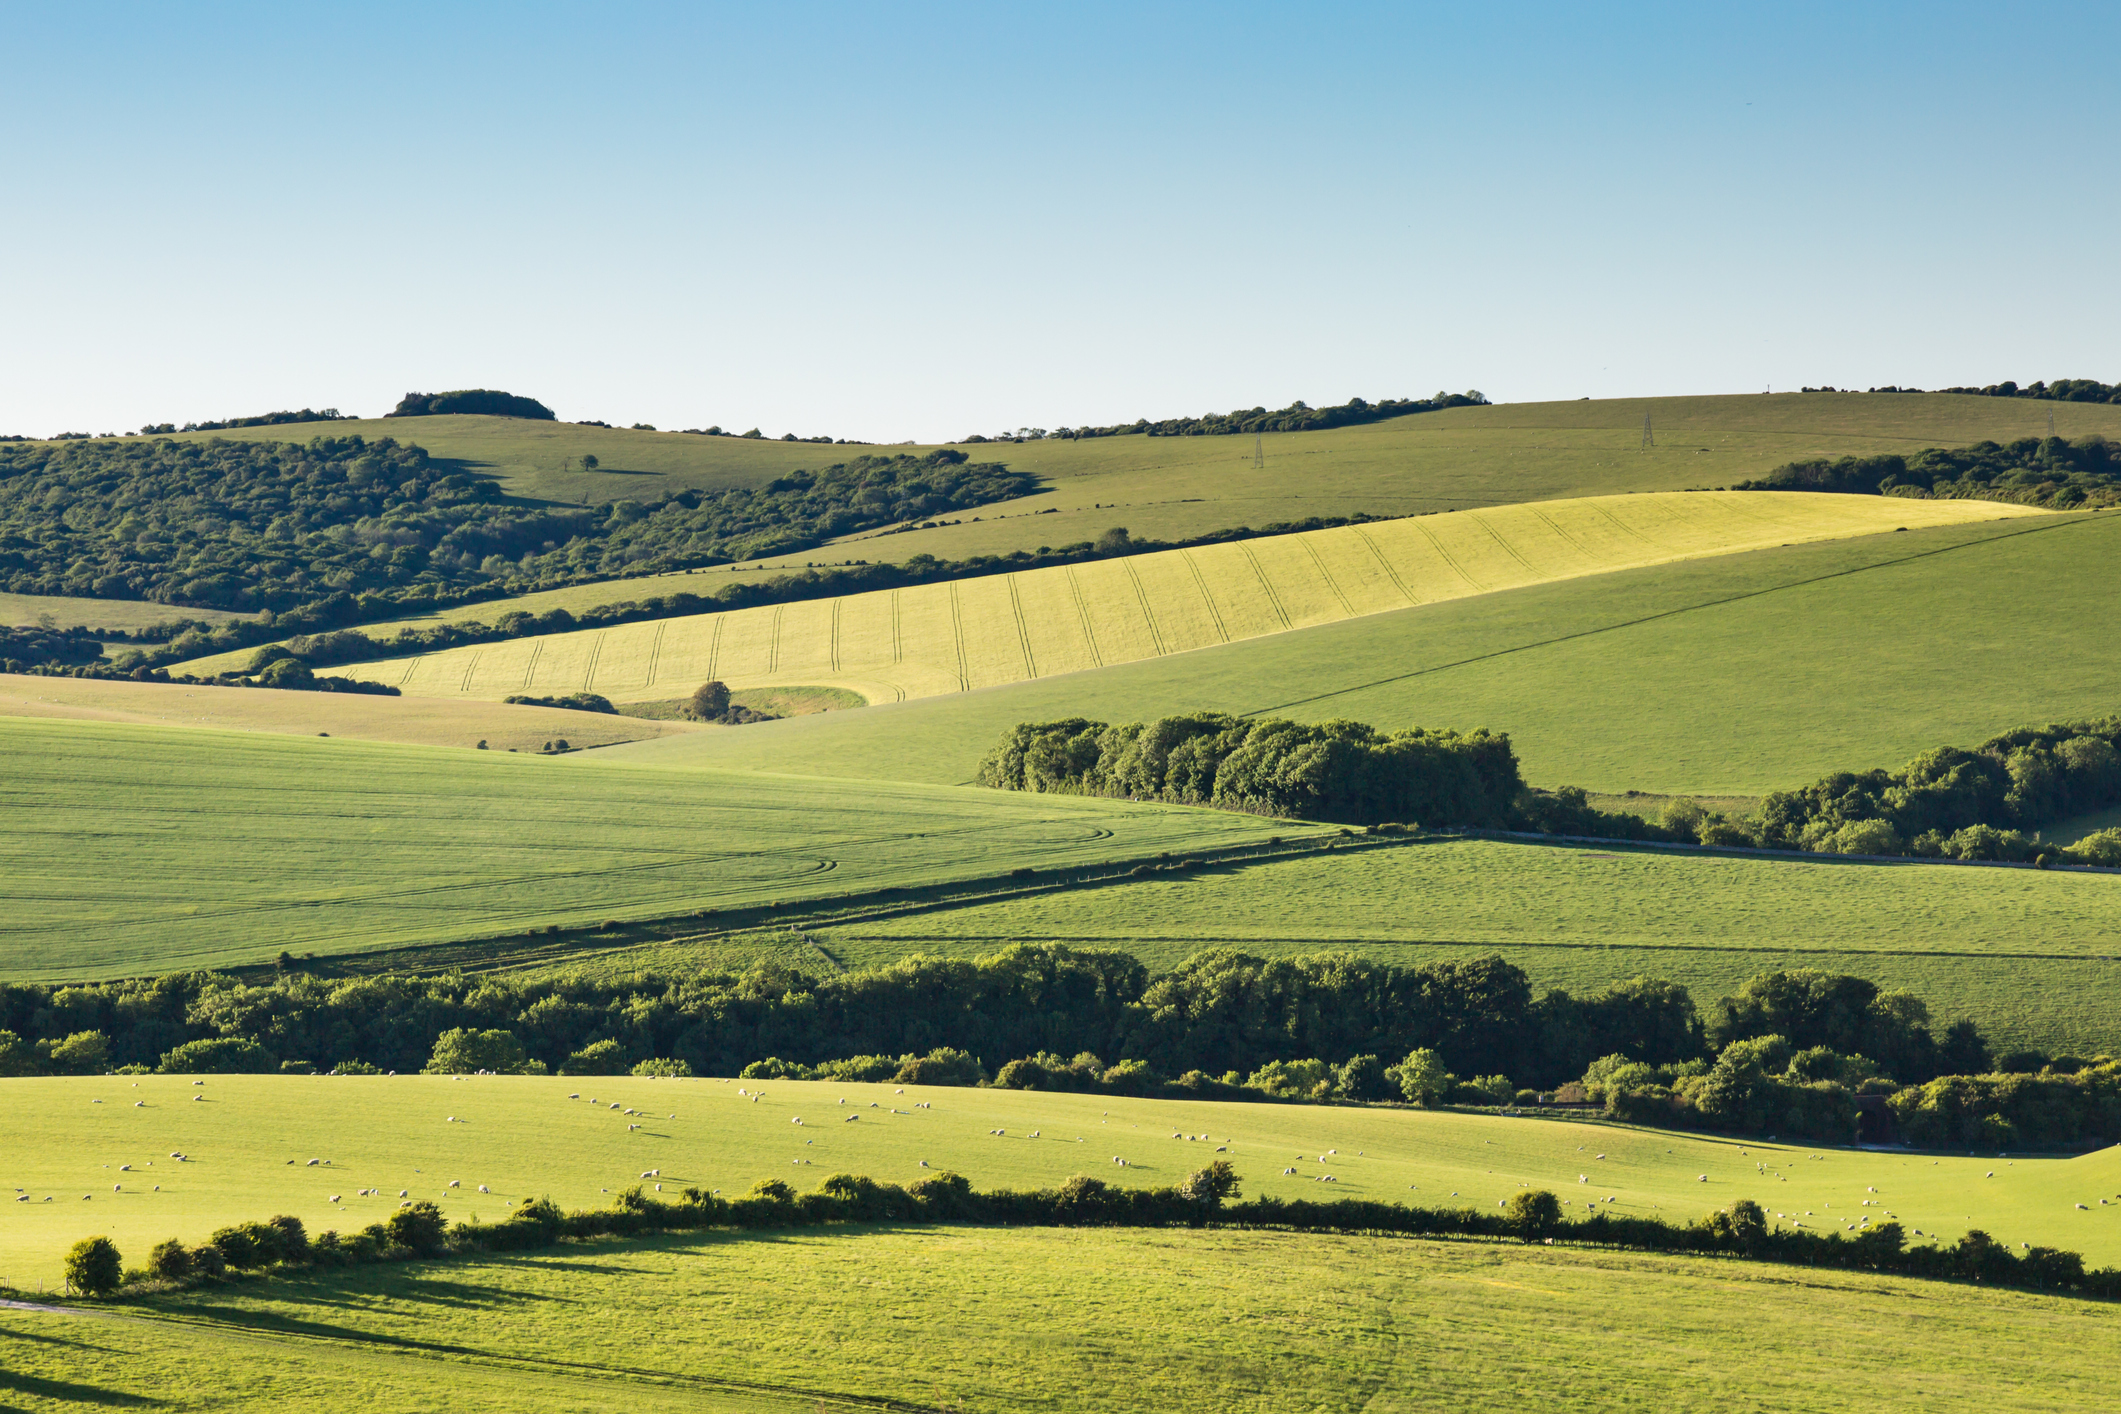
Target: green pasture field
{"points": [[2029, 954], [126, 615], [1730, 676], [132, 849], [411, 1137], [932, 639], [1069, 1320]]}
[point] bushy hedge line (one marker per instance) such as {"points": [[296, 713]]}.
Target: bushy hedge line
{"points": [[1296, 417], [1210, 1197], [2037, 471]]}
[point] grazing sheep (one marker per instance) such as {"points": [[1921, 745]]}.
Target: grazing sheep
{"points": [[1288, 1170], [850, 1119], [797, 1120], [578, 1095], [456, 1183], [924, 1163], [125, 1168], [1703, 1179], [312, 1163], [139, 1104], [403, 1193], [484, 1189], [198, 1097], [631, 1128], [120, 1188]]}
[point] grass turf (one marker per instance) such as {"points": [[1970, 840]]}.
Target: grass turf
{"points": [[1077, 1320], [891, 645], [1734, 675], [523, 1137], [134, 849]]}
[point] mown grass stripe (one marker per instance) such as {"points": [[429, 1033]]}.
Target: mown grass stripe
{"points": [[1221, 631], [1266, 584]]}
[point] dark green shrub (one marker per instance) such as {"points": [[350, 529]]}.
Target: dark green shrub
{"points": [[1533, 1214], [93, 1267], [207, 1261], [220, 1055], [461, 1051], [606, 1057], [171, 1260], [420, 1228]]}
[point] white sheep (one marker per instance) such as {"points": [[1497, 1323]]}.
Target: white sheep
{"points": [[484, 1189], [456, 1183], [404, 1193]]}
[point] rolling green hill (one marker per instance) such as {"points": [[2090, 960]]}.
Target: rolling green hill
{"points": [[1736, 675], [136, 849], [524, 1137], [892, 645]]}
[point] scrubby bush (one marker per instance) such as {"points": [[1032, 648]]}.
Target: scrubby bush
{"points": [[93, 1267], [221, 1055], [663, 1069], [420, 1228], [1533, 1214], [170, 1260], [462, 1051], [605, 1057]]}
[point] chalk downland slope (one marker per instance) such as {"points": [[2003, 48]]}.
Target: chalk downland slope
{"points": [[140, 849], [894, 645]]}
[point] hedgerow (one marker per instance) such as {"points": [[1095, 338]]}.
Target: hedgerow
{"points": [[1207, 1198]]}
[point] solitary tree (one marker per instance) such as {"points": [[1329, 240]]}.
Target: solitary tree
{"points": [[93, 1267], [461, 1052], [1422, 1077], [710, 701], [1533, 1214], [589, 463]]}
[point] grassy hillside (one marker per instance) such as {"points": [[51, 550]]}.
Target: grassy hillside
{"points": [[1729, 676], [523, 1137], [892, 645], [2027, 953], [1428, 461], [128, 615], [137, 849], [415, 721], [995, 1319]]}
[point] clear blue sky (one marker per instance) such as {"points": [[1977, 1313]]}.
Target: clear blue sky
{"points": [[904, 221]]}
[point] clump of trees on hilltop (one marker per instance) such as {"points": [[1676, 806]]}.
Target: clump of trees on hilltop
{"points": [[1296, 417], [480, 401], [2035, 471]]}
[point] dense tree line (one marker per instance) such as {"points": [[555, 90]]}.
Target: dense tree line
{"points": [[2065, 390], [269, 419], [1341, 771], [486, 402], [343, 528], [22, 648], [1296, 417], [1223, 1014], [2034, 471], [1960, 804], [1208, 1197]]}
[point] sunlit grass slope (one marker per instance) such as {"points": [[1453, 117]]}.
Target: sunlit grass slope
{"points": [[423, 721], [2029, 954], [130, 849], [1181, 486], [123, 614], [892, 645], [523, 1137], [1068, 1320], [1736, 675]]}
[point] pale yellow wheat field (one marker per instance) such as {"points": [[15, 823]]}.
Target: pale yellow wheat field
{"points": [[896, 644]]}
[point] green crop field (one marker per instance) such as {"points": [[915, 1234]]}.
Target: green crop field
{"points": [[891, 645], [67, 1140], [131, 849], [2030, 954], [1730, 676], [1072, 1320]]}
